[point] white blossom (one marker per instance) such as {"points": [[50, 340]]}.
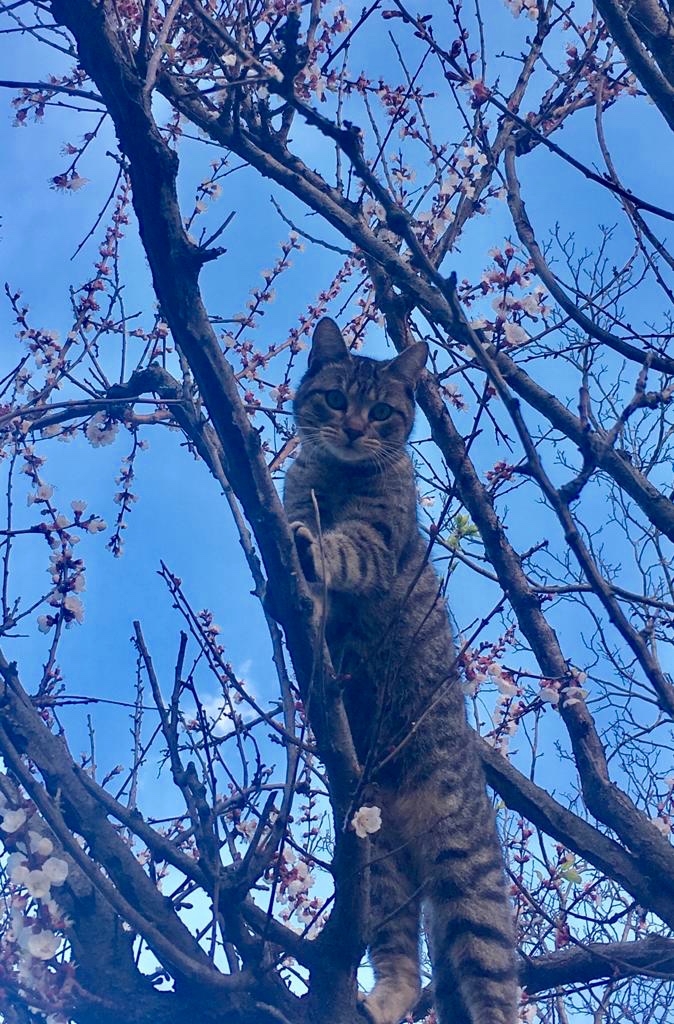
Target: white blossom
{"points": [[515, 334], [366, 821], [76, 183], [13, 820], [99, 431], [56, 870], [43, 945], [40, 844], [505, 687], [74, 606], [17, 868], [38, 884]]}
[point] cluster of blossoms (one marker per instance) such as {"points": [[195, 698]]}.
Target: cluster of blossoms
{"points": [[399, 103], [125, 497], [312, 81], [507, 716], [101, 430], [501, 280], [308, 320], [528, 7], [254, 362], [208, 190], [70, 182], [32, 940], [48, 355], [36, 100], [88, 295], [294, 882], [482, 664], [46, 349], [568, 692], [501, 472], [354, 331], [66, 571]]}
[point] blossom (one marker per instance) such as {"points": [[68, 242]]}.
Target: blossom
{"points": [[75, 607], [13, 820], [56, 870], [573, 695], [43, 944], [17, 868], [505, 687], [366, 821], [515, 335], [549, 695], [44, 623], [76, 183], [78, 506], [300, 884], [247, 828], [38, 884], [100, 430], [40, 844]]}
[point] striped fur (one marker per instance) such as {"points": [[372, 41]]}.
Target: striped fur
{"points": [[437, 854]]}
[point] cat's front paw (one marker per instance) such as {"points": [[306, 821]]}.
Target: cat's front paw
{"points": [[307, 551]]}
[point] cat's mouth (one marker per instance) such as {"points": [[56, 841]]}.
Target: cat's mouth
{"points": [[350, 452]]}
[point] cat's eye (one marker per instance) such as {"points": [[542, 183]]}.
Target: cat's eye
{"points": [[336, 400], [380, 411]]}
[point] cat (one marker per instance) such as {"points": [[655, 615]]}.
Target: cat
{"points": [[389, 638]]}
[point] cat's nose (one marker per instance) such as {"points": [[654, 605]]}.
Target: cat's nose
{"points": [[353, 432]]}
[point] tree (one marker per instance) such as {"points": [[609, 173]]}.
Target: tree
{"points": [[544, 455]]}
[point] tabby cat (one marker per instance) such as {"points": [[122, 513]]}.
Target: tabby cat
{"points": [[389, 637]]}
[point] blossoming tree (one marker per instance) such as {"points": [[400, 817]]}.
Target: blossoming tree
{"points": [[544, 459]]}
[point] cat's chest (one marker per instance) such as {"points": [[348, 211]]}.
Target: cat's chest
{"points": [[337, 500]]}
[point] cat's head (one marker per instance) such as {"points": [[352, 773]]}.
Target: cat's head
{"points": [[356, 409]]}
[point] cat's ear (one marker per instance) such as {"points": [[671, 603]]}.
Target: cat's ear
{"points": [[327, 345], [409, 364]]}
